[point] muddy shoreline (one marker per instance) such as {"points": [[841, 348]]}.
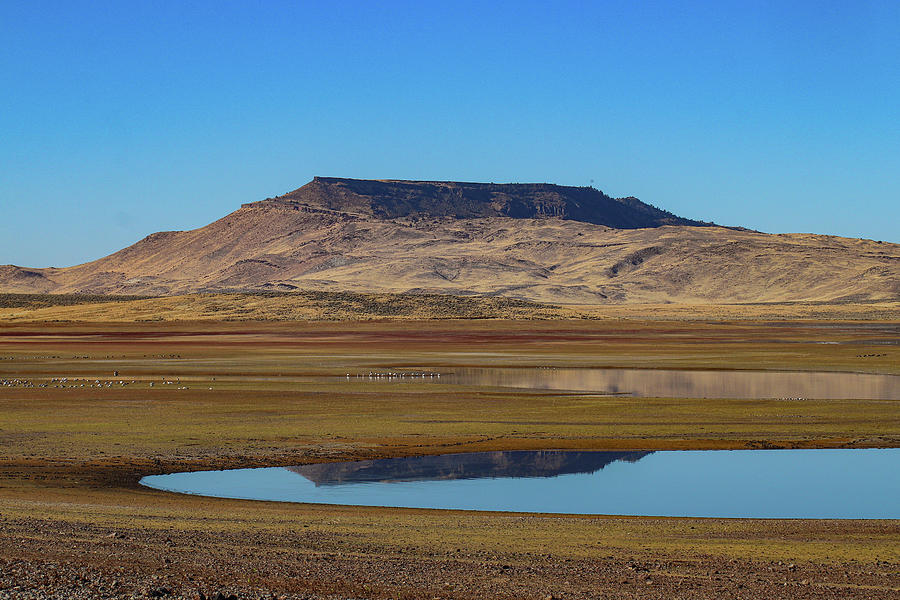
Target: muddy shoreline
{"points": [[75, 523], [197, 561]]}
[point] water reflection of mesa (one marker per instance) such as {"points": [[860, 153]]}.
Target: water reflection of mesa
{"points": [[519, 463]]}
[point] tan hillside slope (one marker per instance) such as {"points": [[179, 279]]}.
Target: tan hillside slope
{"points": [[338, 238]]}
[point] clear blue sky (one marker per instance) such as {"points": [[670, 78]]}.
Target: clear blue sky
{"points": [[118, 119]]}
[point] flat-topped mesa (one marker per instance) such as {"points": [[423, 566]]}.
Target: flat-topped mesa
{"points": [[389, 199], [535, 242]]}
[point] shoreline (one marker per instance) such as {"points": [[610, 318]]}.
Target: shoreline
{"points": [[71, 462]]}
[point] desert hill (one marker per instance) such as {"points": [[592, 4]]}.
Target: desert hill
{"points": [[536, 242]]}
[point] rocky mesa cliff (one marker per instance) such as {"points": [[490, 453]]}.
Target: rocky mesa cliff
{"points": [[538, 242]]}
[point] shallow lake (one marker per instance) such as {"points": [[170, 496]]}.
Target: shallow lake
{"points": [[662, 383], [839, 483]]}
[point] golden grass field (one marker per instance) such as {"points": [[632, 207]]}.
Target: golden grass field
{"points": [[349, 306], [70, 458]]}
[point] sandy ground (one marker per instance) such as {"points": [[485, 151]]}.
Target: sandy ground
{"points": [[75, 523]]}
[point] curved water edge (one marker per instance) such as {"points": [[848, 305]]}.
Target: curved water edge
{"points": [[790, 484]]}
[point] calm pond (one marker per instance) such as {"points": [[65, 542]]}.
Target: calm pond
{"points": [[659, 383], [839, 483]]}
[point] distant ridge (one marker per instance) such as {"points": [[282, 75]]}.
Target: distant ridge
{"points": [[391, 199], [535, 242]]}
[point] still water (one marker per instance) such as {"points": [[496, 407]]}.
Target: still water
{"points": [[661, 383], [839, 483]]}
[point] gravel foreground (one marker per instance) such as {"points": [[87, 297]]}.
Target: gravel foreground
{"points": [[75, 524], [52, 559]]}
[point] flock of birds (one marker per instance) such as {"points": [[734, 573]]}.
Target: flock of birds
{"points": [[66, 382], [395, 375]]}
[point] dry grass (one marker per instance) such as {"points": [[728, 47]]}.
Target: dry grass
{"points": [[272, 246], [347, 306], [71, 456]]}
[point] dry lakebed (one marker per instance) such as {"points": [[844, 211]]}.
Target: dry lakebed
{"points": [[89, 409]]}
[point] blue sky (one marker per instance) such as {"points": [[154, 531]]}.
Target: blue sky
{"points": [[118, 119]]}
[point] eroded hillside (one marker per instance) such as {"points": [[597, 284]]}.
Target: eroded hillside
{"points": [[531, 245]]}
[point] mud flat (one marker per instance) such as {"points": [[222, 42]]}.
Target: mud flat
{"points": [[76, 438]]}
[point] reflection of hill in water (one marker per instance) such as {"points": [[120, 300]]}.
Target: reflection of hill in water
{"points": [[520, 463], [669, 383]]}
